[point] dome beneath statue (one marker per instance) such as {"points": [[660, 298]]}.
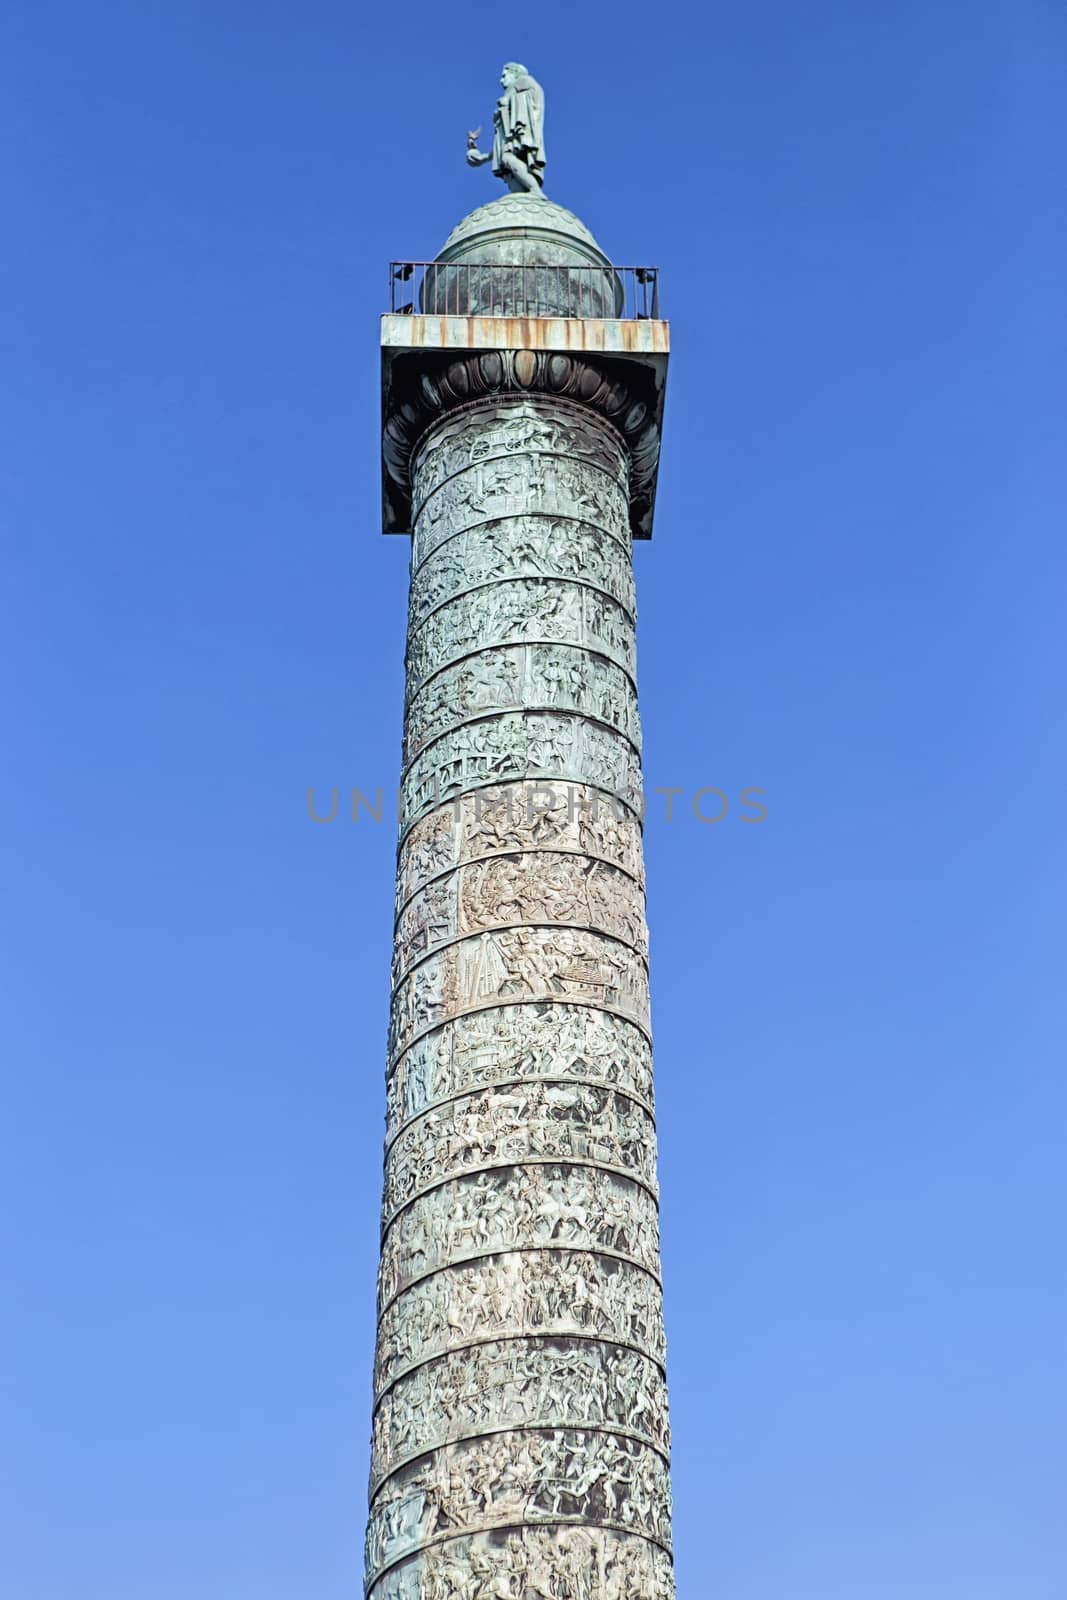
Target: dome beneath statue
{"points": [[523, 220], [522, 256]]}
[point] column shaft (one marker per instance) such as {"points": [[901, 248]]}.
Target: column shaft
{"points": [[521, 1441]]}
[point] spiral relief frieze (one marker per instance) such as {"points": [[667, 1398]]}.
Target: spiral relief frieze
{"points": [[523, 547], [520, 1436], [529, 1476], [505, 1044], [511, 819], [484, 1213]]}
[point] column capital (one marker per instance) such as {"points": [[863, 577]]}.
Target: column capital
{"points": [[432, 365]]}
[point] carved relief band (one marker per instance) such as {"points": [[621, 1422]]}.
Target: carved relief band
{"points": [[516, 610], [548, 1040], [513, 677], [551, 1291], [517, 817], [547, 1121], [513, 429], [504, 1480], [523, 547], [572, 494], [534, 745], [519, 963], [532, 887], [519, 1383], [576, 1563], [583, 1208]]}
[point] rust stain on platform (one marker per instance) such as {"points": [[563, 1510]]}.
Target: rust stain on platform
{"points": [[640, 337]]}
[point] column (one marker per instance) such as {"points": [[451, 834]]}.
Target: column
{"points": [[520, 1438]]}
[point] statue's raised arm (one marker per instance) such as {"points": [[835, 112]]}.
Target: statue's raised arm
{"points": [[518, 153]]}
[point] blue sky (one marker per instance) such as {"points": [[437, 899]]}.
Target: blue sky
{"points": [[854, 598]]}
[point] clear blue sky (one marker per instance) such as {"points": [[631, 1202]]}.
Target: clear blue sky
{"points": [[854, 598]]}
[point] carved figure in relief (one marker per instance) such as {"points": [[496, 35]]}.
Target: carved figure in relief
{"points": [[527, 550], [487, 971], [515, 820], [570, 556], [434, 848], [428, 920], [423, 1076], [441, 575], [552, 744]]}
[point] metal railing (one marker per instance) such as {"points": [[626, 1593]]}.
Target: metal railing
{"points": [[523, 289]]}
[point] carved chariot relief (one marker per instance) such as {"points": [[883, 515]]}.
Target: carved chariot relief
{"points": [[502, 1045], [581, 1208], [522, 745], [517, 817], [523, 547], [519, 1383], [550, 1292], [548, 610], [509, 890], [502, 1480], [519, 964], [512, 1123], [569, 1563]]}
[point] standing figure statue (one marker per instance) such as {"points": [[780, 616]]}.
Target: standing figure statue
{"points": [[518, 153]]}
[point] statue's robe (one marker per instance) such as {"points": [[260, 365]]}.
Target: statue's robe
{"points": [[520, 127]]}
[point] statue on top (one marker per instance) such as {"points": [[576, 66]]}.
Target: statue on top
{"points": [[518, 153]]}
